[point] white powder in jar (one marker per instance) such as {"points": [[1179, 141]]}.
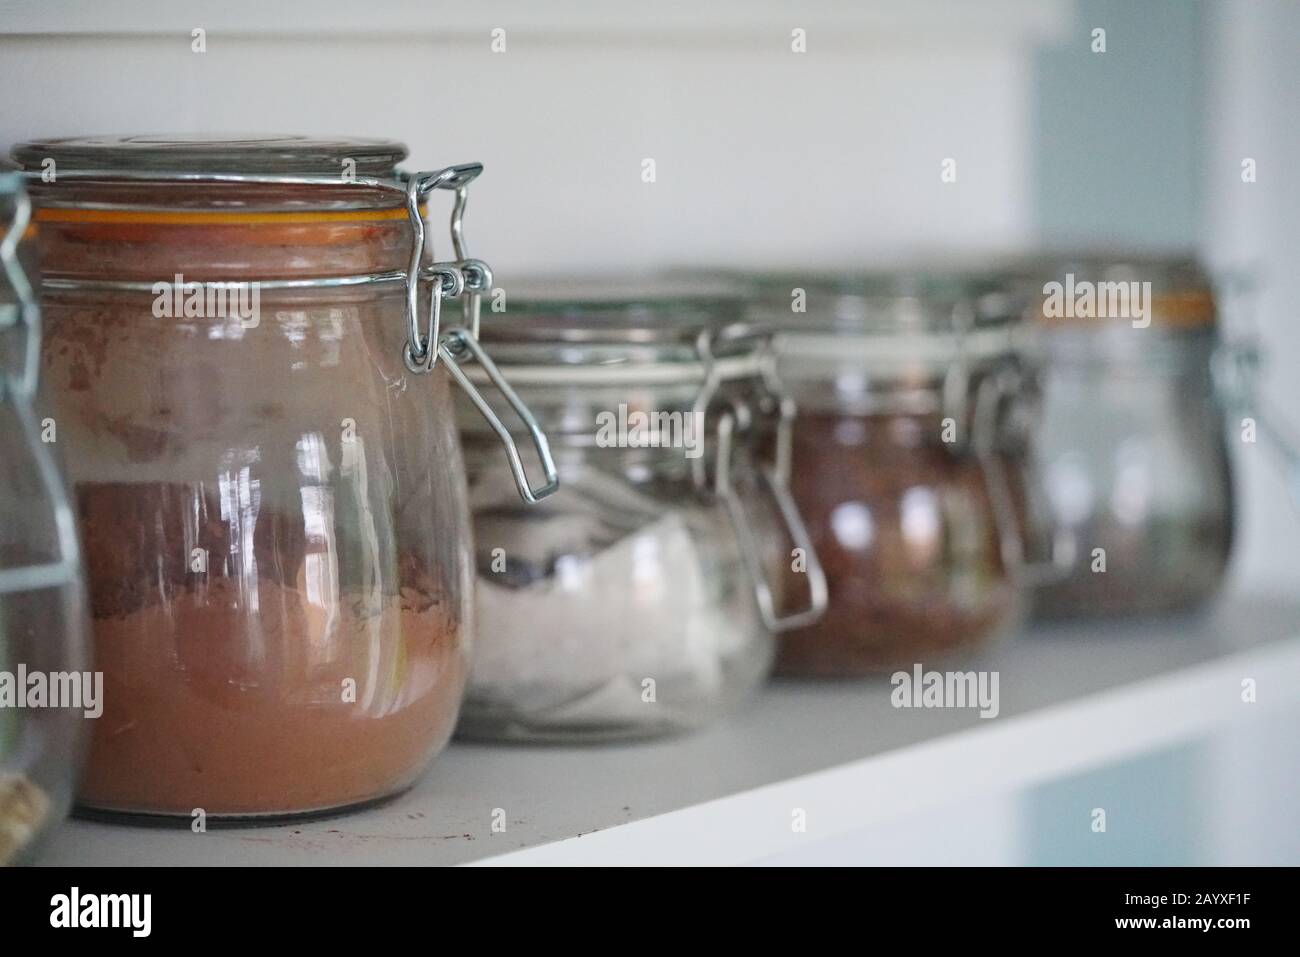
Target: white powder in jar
{"points": [[580, 641]]}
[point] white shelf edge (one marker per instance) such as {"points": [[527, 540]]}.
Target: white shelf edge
{"points": [[1010, 753]]}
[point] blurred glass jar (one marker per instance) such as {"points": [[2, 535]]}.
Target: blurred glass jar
{"points": [[641, 599], [251, 379], [1134, 442], [912, 463], [46, 691]]}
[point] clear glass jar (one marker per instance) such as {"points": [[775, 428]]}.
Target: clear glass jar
{"points": [[47, 694], [252, 386], [641, 598], [1134, 447], [912, 463]]}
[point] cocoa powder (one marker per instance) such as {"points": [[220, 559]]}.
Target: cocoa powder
{"points": [[243, 560], [226, 690], [904, 530]]}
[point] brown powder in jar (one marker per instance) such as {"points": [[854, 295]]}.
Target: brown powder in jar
{"points": [[904, 531], [225, 691]]}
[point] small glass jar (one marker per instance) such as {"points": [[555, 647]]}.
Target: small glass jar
{"points": [[46, 692], [251, 378], [912, 463], [641, 599], [1134, 446]]}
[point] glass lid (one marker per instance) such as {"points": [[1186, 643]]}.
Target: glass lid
{"points": [[611, 320], [1169, 273], [905, 301], [229, 154]]}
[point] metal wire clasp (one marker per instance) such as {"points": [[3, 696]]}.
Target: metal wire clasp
{"points": [[457, 342], [65, 570], [1236, 367], [995, 389], [984, 420], [26, 312], [463, 275], [465, 279], [737, 422]]}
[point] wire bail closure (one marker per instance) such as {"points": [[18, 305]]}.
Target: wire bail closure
{"points": [[738, 421], [465, 279], [984, 419], [26, 312], [1023, 570], [457, 342], [18, 391], [1236, 368], [456, 277]]}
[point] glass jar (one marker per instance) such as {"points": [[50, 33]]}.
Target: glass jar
{"points": [[641, 599], [912, 463], [46, 693], [251, 378], [1134, 444]]}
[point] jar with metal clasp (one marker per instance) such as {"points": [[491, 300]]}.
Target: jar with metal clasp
{"points": [[1138, 383], [251, 368], [913, 462], [643, 597]]}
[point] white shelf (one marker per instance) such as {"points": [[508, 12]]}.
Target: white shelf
{"points": [[839, 751]]}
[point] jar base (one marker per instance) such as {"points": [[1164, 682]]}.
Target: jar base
{"points": [[821, 652], [504, 730], [218, 819], [682, 706], [1062, 604]]}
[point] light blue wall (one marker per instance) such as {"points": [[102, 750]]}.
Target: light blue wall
{"points": [[1152, 806], [1118, 134]]}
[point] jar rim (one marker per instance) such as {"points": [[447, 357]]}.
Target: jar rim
{"points": [[911, 301], [272, 154], [624, 321], [1178, 288], [934, 351]]}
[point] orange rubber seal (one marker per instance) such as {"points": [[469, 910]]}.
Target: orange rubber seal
{"points": [[1191, 309], [216, 217]]}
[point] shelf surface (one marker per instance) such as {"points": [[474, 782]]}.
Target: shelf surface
{"points": [[837, 755]]}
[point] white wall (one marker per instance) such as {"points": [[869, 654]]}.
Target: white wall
{"points": [[763, 155], [1253, 97], [1254, 67]]}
